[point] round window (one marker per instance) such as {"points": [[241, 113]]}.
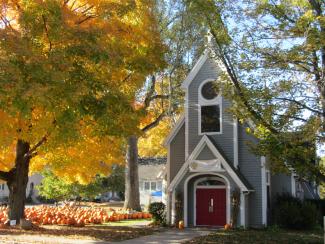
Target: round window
{"points": [[209, 90]]}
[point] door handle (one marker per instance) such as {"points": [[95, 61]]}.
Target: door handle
{"points": [[211, 205]]}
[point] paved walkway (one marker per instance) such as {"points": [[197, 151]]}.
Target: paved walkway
{"points": [[170, 236]]}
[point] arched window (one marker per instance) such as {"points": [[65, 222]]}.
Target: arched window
{"points": [[209, 90], [209, 108], [211, 182]]}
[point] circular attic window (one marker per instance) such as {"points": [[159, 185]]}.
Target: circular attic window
{"points": [[209, 90]]}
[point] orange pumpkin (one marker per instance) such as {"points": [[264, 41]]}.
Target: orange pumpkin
{"points": [[181, 225], [227, 226]]}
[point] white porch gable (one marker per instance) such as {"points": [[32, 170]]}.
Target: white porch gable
{"points": [[219, 164]]}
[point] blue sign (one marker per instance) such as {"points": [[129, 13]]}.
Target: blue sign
{"points": [[156, 194]]}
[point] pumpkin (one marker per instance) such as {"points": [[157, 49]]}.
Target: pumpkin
{"points": [[227, 226], [181, 225]]}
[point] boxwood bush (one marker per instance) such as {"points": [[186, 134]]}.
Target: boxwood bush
{"points": [[320, 205], [157, 209], [292, 213]]}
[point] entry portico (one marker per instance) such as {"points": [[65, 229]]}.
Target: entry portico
{"points": [[207, 174]]}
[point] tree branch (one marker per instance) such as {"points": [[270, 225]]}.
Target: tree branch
{"points": [[4, 175], [154, 123], [150, 92], [7, 175], [85, 19], [163, 97], [231, 72], [47, 32], [299, 104], [31, 151]]}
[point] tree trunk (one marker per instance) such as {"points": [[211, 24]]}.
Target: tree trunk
{"points": [[132, 194], [17, 182]]}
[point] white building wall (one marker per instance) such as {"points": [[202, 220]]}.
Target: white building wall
{"points": [[35, 179]]}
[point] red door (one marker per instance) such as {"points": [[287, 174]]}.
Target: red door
{"points": [[210, 207]]}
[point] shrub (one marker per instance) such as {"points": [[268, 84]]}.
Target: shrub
{"points": [[292, 213], [157, 209], [320, 205], [309, 214]]}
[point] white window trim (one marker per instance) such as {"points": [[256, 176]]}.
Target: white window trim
{"points": [[199, 119], [151, 181], [204, 102]]}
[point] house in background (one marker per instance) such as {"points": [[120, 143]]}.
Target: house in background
{"points": [[31, 190], [152, 180], [209, 160]]}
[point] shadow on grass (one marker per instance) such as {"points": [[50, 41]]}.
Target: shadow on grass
{"points": [[98, 232], [261, 236]]}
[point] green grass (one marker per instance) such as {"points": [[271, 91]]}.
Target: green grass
{"points": [[261, 236], [128, 222]]}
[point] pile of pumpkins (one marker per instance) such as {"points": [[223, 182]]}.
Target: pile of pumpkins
{"points": [[74, 216]]}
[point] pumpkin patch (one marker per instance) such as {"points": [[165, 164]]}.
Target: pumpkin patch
{"points": [[74, 216]]}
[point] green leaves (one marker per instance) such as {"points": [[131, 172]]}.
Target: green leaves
{"points": [[274, 55]]}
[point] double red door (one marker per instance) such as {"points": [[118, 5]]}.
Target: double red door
{"points": [[210, 207]]}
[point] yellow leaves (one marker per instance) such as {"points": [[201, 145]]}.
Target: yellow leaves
{"points": [[151, 144], [66, 51], [81, 160], [7, 156]]}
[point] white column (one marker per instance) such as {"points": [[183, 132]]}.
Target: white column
{"points": [[293, 185], [168, 207], [228, 202], [242, 209], [264, 191], [235, 132], [173, 207]]}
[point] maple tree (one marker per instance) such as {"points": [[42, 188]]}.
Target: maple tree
{"points": [[69, 72]]}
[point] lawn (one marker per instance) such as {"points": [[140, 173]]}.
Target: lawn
{"points": [[261, 236], [116, 231]]}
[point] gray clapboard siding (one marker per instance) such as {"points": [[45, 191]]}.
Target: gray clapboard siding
{"points": [[205, 154], [224, 140], [177, 153], [250, 167], [280, 184]]}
